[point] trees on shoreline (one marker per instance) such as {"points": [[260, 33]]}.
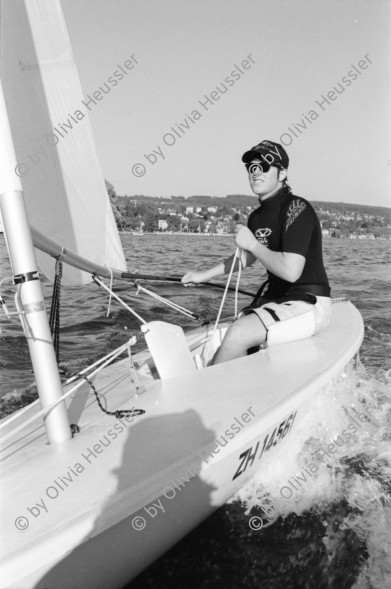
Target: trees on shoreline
{"points": [[208, 214]]}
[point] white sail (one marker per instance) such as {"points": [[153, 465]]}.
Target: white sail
{"points": [[65, 193]]}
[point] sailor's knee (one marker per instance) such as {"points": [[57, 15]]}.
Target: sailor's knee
{"points": [[246, 331], [236, 330]]}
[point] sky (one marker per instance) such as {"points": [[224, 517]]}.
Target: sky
{"points": [[164, 129]]}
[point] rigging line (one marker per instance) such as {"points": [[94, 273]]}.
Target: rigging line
{"points": [[5, 308], [152, 294], [3, 304], [175, 306], [100, 283], [237, 253], [44, 412], [133, 374], [111, 289], [7, 313], [136, 276], [110, 356], [131, 342], [237, 284]]}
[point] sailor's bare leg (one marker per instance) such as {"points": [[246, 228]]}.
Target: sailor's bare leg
{"points": [[244, 333]]}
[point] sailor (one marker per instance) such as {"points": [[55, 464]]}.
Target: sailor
{"points": [[284, 234]]}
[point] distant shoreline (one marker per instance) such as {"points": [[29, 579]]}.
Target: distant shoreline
{"points": [[325, 237], [177, 233]]}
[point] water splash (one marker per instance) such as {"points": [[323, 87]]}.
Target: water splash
{"points": [[337, 469]]}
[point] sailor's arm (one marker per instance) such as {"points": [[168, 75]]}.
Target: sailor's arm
{"points": [[285, 265], [194, 277]]}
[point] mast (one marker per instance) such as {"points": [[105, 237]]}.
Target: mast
{"points": [[34, 318]]}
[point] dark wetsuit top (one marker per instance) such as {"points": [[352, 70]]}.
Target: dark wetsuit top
{"points": [[288, 223]]}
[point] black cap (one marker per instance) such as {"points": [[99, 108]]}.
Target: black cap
{"points": [[268, 151]]}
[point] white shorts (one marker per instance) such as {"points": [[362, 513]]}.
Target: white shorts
{"points": [[293, 320]]}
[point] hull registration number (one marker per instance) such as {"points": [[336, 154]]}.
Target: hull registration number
{"points": [[248, 457]]}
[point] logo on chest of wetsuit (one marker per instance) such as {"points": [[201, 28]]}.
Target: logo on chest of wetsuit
{"points": [[262, 235]]}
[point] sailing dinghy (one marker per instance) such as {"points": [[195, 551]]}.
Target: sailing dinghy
{"points": [[103, 475]]}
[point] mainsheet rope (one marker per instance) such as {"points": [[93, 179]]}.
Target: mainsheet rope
{"points": [[237, 255], [238, 282]]}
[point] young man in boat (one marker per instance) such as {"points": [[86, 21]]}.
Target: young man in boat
{"points": [[284, 234]]}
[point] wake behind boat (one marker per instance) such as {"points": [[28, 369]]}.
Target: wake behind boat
{"points": [[143, 449]]}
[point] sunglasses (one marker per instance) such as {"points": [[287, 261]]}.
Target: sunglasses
{"points": [[263, 168]]}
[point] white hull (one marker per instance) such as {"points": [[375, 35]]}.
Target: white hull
{"points": [[81, 506]]}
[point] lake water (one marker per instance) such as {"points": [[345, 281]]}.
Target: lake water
{"points": [[335, 530]]}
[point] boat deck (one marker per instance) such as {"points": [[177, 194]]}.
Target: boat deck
{"points": [[114, 468]]}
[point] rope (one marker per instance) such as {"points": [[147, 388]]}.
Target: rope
{"points": [[134, 275], [237, 286], [236, 255], [54, 319], [44, 412], [2, 301], [133, 374], [150, 293], [119, 412], [102, 284], [4, 307], [111, 289], [175, 306], [3, 304]]}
